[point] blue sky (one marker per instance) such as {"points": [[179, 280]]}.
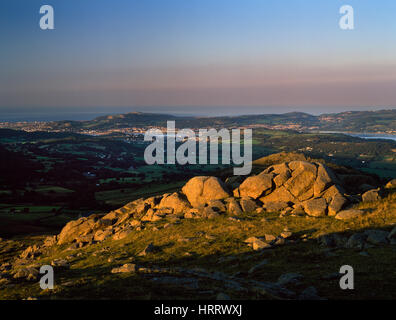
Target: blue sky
{"points": [[197, 53]]}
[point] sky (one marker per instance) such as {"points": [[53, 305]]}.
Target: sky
{"points": [[198, 54]]}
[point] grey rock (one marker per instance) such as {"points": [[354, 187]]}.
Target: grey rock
{"points": [[258, 266], [357, 240], [332, 240], [376, 236], [290, 279]]}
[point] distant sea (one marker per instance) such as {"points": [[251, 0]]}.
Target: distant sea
{"points": [[368, 136], [89, 113], [373, 136]]}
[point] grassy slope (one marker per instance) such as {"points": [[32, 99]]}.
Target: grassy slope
{"points": [[89, 276]]}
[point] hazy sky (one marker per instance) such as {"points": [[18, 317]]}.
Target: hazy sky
{"points": [[198, 53]]}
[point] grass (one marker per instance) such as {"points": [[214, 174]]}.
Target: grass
{"points": [[122, 196], [52, 189], [383, 169], [39, 219], [90, 267]]}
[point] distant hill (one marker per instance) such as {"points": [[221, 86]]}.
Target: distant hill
{"points": [[383, 121], [360, 121], [135, 119]]}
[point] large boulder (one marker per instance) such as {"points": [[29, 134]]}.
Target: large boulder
{"points": [[281, 178], [316, 207], [336, 204], [301, 183], [200, 190], [332, 192], [176, 201], [279, 194], [255, 186], [325, 178]]}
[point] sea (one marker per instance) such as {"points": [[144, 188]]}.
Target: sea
{"points": [[370, 136]]}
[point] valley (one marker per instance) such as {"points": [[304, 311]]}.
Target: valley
{"points": [[51, 179]]}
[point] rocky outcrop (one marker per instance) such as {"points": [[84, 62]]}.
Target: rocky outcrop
{"points": [[311, 184], [295, 187], [77, 229]]}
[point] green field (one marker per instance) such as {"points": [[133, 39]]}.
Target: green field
{"points": [[120, 197]]}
